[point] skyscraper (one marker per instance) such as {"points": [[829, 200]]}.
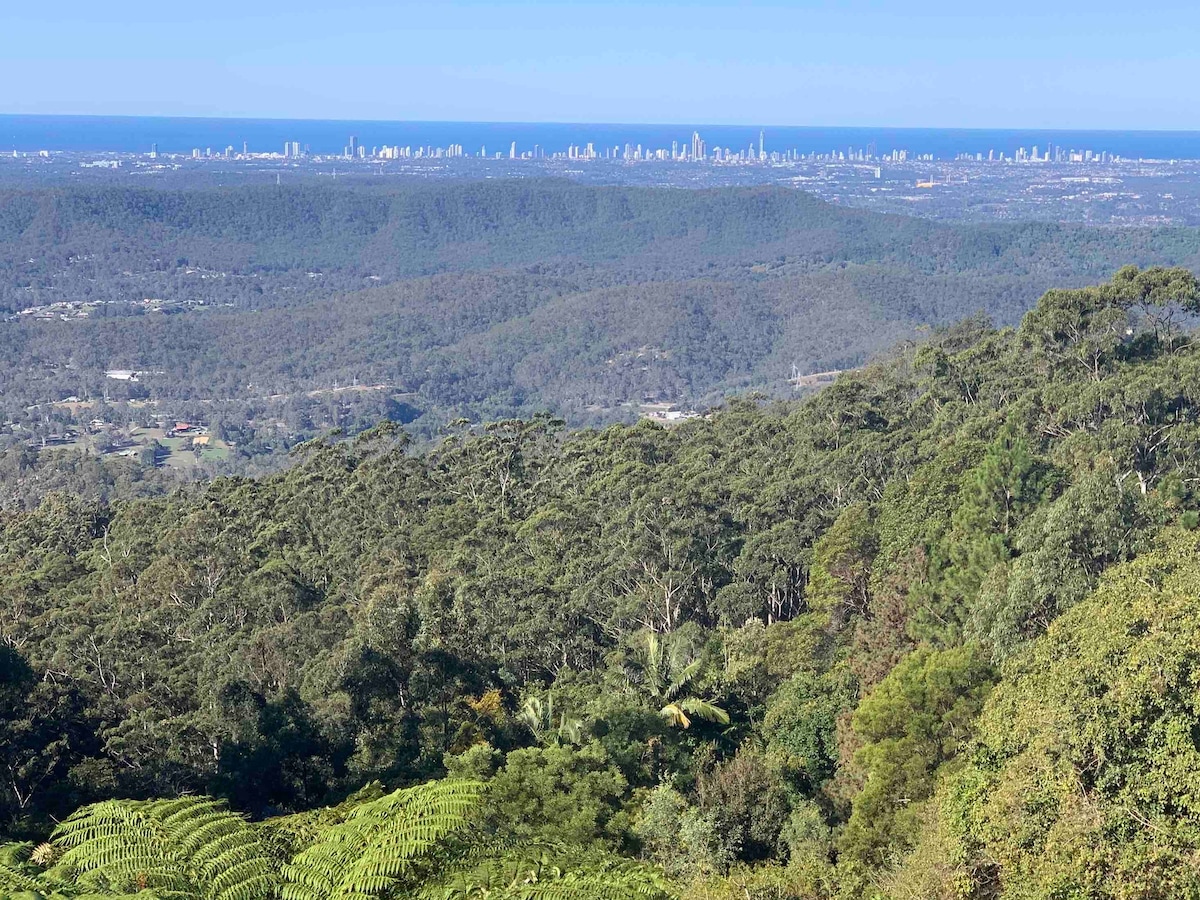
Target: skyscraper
{"points": [[353, 146]]}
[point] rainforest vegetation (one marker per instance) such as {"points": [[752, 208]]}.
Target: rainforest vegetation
{"points": [[931, 632]]}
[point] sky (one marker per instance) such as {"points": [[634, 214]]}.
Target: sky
{"points": [[1101, 64]]}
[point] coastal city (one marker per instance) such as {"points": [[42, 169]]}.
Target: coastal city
{"points": [[697, 150], [1049, 182]]}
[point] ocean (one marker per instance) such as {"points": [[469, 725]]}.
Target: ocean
{"points": [[136, 134]]}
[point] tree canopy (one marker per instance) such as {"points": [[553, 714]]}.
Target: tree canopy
{"points": [[929, 632]]}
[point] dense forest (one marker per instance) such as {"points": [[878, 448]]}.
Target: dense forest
{"points": [[928, 633], [267, 310]]}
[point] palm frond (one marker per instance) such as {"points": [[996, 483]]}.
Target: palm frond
{"points": [[703, 709], [533, 715], [652, 665], [674, 715], [679, 714], [682, 681]]}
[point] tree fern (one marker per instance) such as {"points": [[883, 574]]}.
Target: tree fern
{"points": [[16, 874], [379, 844], [193, 847], [288, 835], [21, 875]]}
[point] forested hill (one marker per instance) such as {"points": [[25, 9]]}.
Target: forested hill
{"points": [[451, 227], [486, 299], [931, 632]]}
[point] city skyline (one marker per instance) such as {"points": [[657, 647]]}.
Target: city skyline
{"points": [[516, 141], [696, 150]]}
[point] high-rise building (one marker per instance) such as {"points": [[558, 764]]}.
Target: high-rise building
{"points": [[154, 151], [512, 151], [761, 145]]}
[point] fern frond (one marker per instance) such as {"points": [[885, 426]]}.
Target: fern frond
{"points": [[191, 847], [16, 874], [378, 844]]}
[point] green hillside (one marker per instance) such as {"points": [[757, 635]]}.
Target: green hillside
{"points": [[483, 300], [930, 632]]}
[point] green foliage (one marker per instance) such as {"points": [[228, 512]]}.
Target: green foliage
{"points": [[913, 722], [801, 726], [839, 581], [546, 723], [193, 847], [656, 671], [1060, 551], [413, 842], [818, 590], [383, 845], [553, 872], [748, 800], [1084, 777], [558, 793], [996, 495], [681, 838]]}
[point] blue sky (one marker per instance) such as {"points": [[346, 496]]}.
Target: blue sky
{"points": [[963, 64]]}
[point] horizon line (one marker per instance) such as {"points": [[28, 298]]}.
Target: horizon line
{"points": [[597, 124]]}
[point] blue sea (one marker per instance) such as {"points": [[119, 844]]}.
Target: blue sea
{"points": [[130, 134]]}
